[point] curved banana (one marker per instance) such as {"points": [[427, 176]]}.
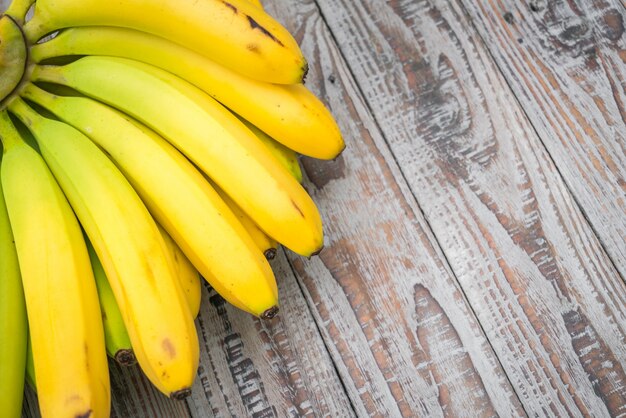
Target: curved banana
{"points": [[287, 157], [186, 273], [61, 298], [131, 250], [266, 244], [180, 199], [116, 337], [290, 114], [209, 135], [13, 322], [234, 33]]}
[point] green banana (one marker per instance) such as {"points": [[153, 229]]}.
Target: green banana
{"points": [[115, 335], [13, 322]]}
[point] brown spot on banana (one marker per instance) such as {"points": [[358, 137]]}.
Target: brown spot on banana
{"points": [[231, 6], [255, 25], [168, 347], [85, 415], [295, 205]]}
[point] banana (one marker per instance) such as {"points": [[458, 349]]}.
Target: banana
{"points": [[234, 33], [266, 244], [116, 337], [257, 3], [131, 250], [290, 114], [180, 199], [18, 9], [287, 157], [61, 298], [186, 273], [13, 323], [209, 135]]}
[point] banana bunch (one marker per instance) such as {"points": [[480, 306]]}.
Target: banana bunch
{"points": [[147, 145]]}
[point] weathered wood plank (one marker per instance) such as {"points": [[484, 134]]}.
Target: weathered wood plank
{"points": [[402, 336], [566, 63], [546, 293], [256, 368]]}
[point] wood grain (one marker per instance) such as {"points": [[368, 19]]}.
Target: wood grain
{"points": [[277, 368], [402, 336], [533, 270], [566, 63]]}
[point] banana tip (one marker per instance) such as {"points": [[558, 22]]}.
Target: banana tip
{"points": [[314, 253], [179, 395], [125, 357], [270, 313], [270, 253]]}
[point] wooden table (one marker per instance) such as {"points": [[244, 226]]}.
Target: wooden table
{"points": [[475, 225]]}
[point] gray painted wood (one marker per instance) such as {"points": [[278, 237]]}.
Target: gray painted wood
{"points": [[547, 295], [396, 323], [566, 63]]}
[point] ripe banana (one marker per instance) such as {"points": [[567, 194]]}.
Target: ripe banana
{"points": [[209, 135], [266, 244], [290, 114], [180, 199], [116, 337], [130, 248], [61, 298], [13, 323], [234, 33], [257, 3], [287, 157], [186, 273]]}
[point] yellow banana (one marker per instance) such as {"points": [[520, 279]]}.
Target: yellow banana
{"points": [[180, 199], [257, 3], [116, 337], [13, 323], [287, 157], [290, 114], [266, 244], [186, 273], [209, 135], [234, 33], [61, 297], [130, 248]]}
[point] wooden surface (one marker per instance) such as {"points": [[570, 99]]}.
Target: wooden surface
{"points": [[475, 225]]}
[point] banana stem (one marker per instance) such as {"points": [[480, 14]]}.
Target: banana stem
{"points": [[37, 94], [49, 73], [24, 112], [18, 9], [8, 133]]}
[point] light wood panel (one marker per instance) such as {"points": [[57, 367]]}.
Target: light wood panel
{"points": [[533, 270], [398, 327], [275, 368], [566, 63]]}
